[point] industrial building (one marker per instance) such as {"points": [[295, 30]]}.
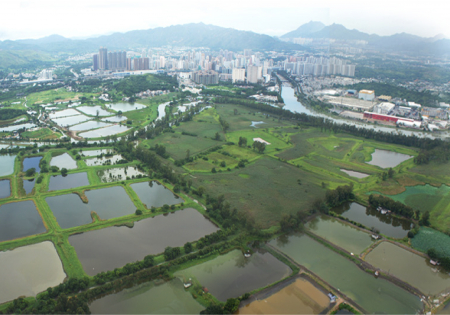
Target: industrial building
{"points": [[382, 117], [383, 108], [367, 95], [349, 102]]}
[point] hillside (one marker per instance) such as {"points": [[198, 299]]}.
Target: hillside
{"points": [[14, 58]]}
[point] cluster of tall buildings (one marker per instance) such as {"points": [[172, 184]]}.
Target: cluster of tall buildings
{"points": [[319, 66], [118, 61], [206, 77]]}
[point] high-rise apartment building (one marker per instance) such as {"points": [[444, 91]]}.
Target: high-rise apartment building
{"points": [[238, 75], [95, 62], [103, 58], [254, 74]]}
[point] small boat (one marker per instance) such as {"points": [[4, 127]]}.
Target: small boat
{"points": [[377, 273]]}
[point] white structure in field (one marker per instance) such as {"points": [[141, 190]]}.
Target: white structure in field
{"points": [[367, 95]]}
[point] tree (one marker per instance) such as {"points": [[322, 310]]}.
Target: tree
{"points": [[30, 172], [425, 220], [432, 253], [64, 171], [391, 172], [231, 306], [138, 212], [200, 191], [188, 248], [217, 136]]}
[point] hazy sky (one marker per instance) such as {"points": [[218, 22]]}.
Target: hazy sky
{"points": [[82, 18]]}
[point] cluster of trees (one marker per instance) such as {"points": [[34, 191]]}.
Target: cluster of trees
{"points": [[397, 207], [160, 150], [134, 84], [290, 222], [242, 142], [443, 260], [339, 195], [10, 113], [221, 211], [259, 146]]}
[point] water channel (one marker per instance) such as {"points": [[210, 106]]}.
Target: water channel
{"points": [[371, 218], [113, 247], [232, 275], [374, 295]]}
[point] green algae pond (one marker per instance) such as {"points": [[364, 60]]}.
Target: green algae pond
{"points": [[409, 267], [149, 298], [371, 218], [70, 211], [113, 247], [340, 234], [29, 270], [374, 295], [19, 219], [154, 194], [232, 275]]}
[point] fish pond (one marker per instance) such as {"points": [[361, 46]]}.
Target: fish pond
{"points": [[154, 194], [97, 152], [125, 107], [63, 113], [354, 173], [32, 162], [28, 185], [371, 218], [409, 267], [93, 124], [16, 127], [29, 270], [113, 247], [69, 181], [64, 161], [114, 119], [5, 188], [299, 297], [19, 219], [385, 159], [105, 160], [372, 294], [104, 132], [232, 275], [93, 110], [7, 164], [149, 298], [69, 210], [118, 174], [72, 120], [340, 234]]}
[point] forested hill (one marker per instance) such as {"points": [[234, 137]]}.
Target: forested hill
{"points": [[193, 35]]}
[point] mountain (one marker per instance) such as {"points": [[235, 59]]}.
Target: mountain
{"points": [[401, 42], [305, 29], [194, 35]]}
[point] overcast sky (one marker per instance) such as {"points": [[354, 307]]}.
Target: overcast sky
{"points": [[84, 18]]}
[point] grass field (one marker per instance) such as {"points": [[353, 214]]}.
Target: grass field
{"points": [[59, 95], [42, 134], [266, 189]]}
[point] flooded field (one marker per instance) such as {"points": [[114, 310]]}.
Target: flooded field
{"points": [[16, 127], [64, 161], [97, 152], [28, 185], [386, 159], [340, 234], [374, 295], [29, 270], [19, 219], [149, 298], [113, 247], [299, 297], [63, 113], [69, 210], [69, 181], [5, 188], [69, 121], [125, 107], [105, 160], [371, 218], [7, 164], [32, 162], [103, 132], [154, 194], [354, 174], [119, 173], [114, 119], [93, 124], [92, 110], [232, 275], [409, 267], [256, 123]]}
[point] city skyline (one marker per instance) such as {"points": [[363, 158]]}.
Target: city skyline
{"points": [[101, 17]]}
